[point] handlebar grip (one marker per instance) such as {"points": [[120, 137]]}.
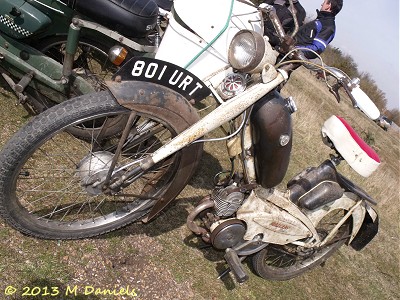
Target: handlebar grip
{"points": [[348, 92]]}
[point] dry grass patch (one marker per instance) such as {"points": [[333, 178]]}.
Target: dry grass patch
{"points": [[164, 260]]}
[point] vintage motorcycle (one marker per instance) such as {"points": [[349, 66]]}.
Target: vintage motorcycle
{"points": [[55, 185], [52, 50]]}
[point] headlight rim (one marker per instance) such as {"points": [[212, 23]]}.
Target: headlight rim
{"points": [[259, 43]]}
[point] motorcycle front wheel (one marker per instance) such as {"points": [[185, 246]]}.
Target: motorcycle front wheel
{"points": [[49, 179], [284, 262]]}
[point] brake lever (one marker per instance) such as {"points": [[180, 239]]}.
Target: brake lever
{"points": [[348, 92], [335, 91]]}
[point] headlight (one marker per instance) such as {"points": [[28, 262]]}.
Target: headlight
{"points": [[246, 51]]}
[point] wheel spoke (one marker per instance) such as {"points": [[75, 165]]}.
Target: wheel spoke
{"points": [[69, 178], [58, 183]]}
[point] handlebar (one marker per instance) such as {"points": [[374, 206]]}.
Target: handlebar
{"points": [[297, 58], [270, 11]]}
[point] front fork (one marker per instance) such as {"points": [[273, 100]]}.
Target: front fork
{"points": [[19, 60]]}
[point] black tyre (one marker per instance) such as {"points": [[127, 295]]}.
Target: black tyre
{"points": [[285, 262], [48, 176]]}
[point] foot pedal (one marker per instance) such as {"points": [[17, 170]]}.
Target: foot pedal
{"points": [[24, 82], [235, 265]]}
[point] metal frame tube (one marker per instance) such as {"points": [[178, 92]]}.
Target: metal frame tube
{"points": [[216, 118]]}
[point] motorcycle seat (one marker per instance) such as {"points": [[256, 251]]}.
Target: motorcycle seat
{"points": [[165, 4], [358, 154], [132, 18]]}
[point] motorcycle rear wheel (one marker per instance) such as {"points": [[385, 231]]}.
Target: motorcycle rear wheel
{"points": [[276, 262], [91, 58], [91, 62], [48, 176]]}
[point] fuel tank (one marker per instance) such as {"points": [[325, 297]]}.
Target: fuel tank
{"points": [[20, 20], [272, 138]]}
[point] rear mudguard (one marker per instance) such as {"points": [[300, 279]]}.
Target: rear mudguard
{"points": [[366, 222], [368, 230], [152, 98], [361, 217], [304, 190]]}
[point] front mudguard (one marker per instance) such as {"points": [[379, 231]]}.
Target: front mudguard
{"points": [[154, 99], [150, 96]]}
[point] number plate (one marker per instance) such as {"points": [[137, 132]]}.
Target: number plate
{"points": [[166, 74]]}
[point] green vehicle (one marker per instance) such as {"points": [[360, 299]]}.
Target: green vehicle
{"points": [[52, 50]]}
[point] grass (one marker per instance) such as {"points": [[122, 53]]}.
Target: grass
{"points": [[162, 260]]}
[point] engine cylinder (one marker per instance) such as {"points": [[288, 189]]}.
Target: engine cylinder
{"points": [[227, 201]]}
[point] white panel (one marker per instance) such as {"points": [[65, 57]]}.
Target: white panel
{"points": [[207, 19]]}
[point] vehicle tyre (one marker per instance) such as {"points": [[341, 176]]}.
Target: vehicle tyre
{"points": [[284, 262], [49, 178]]}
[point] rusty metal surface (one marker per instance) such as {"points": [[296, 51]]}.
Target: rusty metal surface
{"points": [[161, 101], [134, 94]]}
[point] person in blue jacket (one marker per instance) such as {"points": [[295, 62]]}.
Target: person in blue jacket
{"points": [[317, 34]]}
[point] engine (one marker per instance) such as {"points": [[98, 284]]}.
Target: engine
{"points": [[218, 225]]}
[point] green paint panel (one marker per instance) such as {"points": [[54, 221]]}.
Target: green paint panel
{"points": [[20, 19]]}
